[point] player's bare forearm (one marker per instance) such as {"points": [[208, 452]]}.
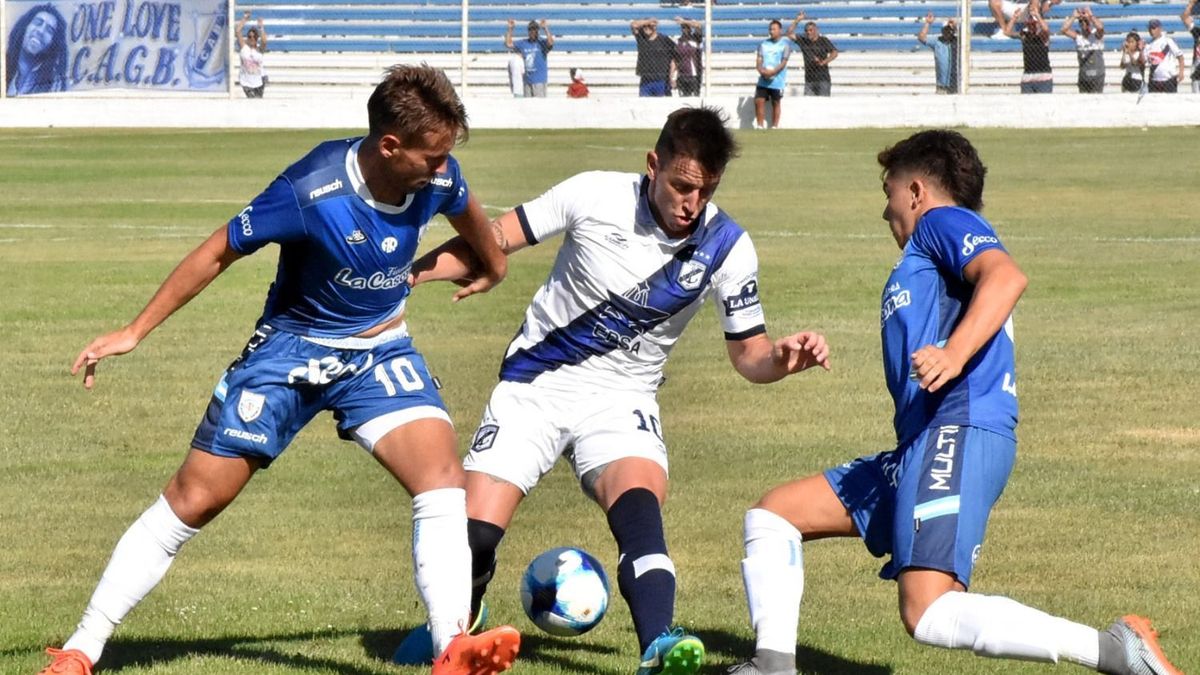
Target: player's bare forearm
{"points": [[476, 228], [762, 361], [191, 276], [453, 261]]}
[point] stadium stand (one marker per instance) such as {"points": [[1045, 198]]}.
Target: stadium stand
{"points": [[344, 44]]}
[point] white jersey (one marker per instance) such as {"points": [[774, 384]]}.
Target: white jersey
{"points": [[621, 291]]}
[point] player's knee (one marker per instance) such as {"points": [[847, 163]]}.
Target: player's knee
{"points": [[194, 504], [913, 608]]}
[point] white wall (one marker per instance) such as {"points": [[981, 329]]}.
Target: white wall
{"points": [[348, 110]]}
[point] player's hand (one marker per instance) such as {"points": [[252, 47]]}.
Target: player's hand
{"points": [[112, 344], [543, 24], [801, 351], [480, 284], [511, 23], [929, 18], [934, 366]]}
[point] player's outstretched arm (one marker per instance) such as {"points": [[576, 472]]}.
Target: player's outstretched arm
{"points": [[191, 276], [761, 361], [998, 284]]}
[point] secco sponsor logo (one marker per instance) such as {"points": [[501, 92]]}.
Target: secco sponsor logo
{"points": [[441, 181], [244, 219], [242, 435], [326, 189], [970, 241]]}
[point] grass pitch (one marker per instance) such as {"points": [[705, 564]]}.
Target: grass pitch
{"points": [[309, 571]]}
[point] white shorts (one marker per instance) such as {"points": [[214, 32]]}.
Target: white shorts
{"points": [[1009, 7], [526, 428]]}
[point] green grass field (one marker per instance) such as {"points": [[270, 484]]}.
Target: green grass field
{"points": [[310, 570]]}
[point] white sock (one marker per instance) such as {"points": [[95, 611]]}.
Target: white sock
{"points": [[139, 561], [442, 561], [773, 571], [995, 626]]}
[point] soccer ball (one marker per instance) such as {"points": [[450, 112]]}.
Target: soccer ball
{"points": [[564, 591]]}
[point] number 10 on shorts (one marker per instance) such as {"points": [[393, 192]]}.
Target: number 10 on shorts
{"points": [[404, 373], [653, 426]]}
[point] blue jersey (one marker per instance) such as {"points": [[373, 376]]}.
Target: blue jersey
{"points": [[534, 53], [923, 301], [773, 53], [344, 258]]}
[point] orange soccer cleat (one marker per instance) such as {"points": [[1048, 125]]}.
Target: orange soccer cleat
{"points": [[67, 662], [1143, 654], [489, 652]]}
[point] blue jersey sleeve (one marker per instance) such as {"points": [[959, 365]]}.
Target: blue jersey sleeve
{"points": [[273, 217], [953, 236], [457, 193]]}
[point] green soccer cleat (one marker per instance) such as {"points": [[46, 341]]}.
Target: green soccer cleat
{"points": [[672, 653]]}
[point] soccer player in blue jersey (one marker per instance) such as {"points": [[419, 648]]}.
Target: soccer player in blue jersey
{"points": [[946, 321], [640, 255], [347, 217]]}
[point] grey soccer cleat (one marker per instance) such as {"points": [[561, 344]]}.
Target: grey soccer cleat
{"points": [[1143, 655], [750, 668]]}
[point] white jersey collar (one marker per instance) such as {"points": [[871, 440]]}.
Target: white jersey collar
{"points": [[360, 185]]}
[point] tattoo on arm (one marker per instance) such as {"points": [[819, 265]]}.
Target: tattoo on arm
{"points": [[501, 240]]}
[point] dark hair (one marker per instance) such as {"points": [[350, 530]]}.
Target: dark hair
{"points": [[1133, 34], [776, 22], [414, 100], [50, 67], [944, 156], [700, 134]]}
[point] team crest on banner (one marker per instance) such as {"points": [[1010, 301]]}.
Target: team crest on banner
{"points": [[691, 274], [250, 406]]}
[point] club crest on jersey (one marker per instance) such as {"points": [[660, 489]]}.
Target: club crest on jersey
{"points": [[356, 237], [250, 406], [389, 245], [691, 274], [484, 437]]}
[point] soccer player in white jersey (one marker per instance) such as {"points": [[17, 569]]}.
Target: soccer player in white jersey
{"points": [[946, 322], [347, 217], [640, 255]]}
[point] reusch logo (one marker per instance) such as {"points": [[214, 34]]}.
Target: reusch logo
{"points": [[441, 181], [326, 189]]}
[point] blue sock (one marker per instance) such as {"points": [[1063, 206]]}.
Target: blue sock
{"points": [[645, 574]]}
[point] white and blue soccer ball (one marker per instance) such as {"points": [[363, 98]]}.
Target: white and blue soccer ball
{"points": [[564, 591]]}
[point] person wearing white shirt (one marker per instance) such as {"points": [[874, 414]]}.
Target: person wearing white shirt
{"points": [[1165, 59]]}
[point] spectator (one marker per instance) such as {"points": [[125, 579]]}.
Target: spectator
{"points": [[1037, 77], [1089, 47], [1190, 23], [1004, 10], [689, 52], [1133, 61], [818, 52], [945, 54], [37, 53], [533, 49], [1165, 59], [771, 62], [655, 59], [578, 88], [252, 44]]}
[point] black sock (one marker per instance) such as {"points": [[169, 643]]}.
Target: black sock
{"points": [[636, 522], [483, 538]]}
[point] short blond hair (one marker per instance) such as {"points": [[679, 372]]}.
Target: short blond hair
{"points": [[413, 100]]}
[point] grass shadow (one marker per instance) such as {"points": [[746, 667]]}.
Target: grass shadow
{"points": [[810, 661]]}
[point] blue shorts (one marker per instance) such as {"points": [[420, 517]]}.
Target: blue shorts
{"points": [[927, 503], [654, 88], [281, 381]]}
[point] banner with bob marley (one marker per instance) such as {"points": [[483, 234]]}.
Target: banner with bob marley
{"points": [[70, 45]]}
